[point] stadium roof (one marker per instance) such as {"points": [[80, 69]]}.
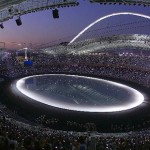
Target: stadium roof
{"points": [[7, 3], [130, 2], [11, 8], [101, 44]]}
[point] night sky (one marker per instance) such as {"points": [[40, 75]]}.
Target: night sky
{"points": [[40, 27]]}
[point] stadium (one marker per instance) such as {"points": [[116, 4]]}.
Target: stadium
{"points": [[90, 92]]}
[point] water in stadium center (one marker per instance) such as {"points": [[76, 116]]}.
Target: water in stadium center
{"points": [[79, 93]]}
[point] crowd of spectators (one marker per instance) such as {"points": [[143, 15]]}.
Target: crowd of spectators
{"points": [[125, 65], [15, 135]]}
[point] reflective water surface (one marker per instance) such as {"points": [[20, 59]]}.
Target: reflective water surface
{"points": [[80, 93]]}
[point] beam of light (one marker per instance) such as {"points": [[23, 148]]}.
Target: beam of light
{"points": [[105, 17], [134, 102]]}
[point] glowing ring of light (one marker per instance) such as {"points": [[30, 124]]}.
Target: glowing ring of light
{"points": [[138, 96], [105, 17]]}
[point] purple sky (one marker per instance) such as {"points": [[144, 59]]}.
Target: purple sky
{"points": [[40, 27]]}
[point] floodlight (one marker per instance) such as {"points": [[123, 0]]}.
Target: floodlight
{"points": [[18, 21], [55, 13]]}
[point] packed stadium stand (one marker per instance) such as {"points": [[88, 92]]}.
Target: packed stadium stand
{"points": [[126, 62]]}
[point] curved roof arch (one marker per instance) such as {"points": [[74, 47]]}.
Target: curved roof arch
{"points": [[124, 2], [11, 8], [106, 17]]}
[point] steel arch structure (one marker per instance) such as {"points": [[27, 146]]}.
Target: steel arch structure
{"points": [[123, 2], [11, 8], [106, 17], [7, 3]]}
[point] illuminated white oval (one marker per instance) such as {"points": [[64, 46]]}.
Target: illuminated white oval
{"points": [[79, 93]]}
